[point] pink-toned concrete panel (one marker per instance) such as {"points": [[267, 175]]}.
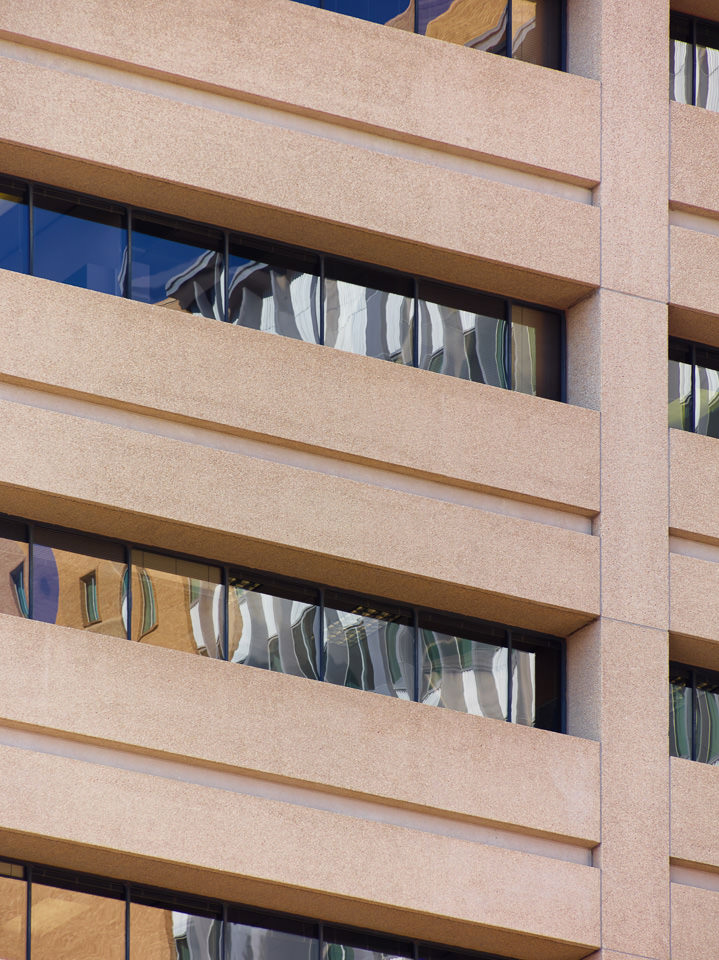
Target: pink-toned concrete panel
{"points": [[204, 372], [695, 603], [694, 461], [271, 516], [694, 325], [184, 148], [695, 923], [694, 266], [695, 801], [265, 852], [695, 154], [496, 108], [319, 735]]}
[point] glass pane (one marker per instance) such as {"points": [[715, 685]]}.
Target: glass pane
{"points": [[707, 721], [353, 945], [681, 71], [536, 683], [706, 399], [368, 647], [537, 32], [283, 298], [77, 926], [178, 266], [465, 671], [14, 226], [462, 334], [79, 242], [14, 595], [378, 11], [13, 912], [536, 352], [680, 386], [481, 24], [707, 52], [79, 582], [177, 604], [680, 715], [157, 934], [284, 941], [368, 312], [272, 626]]}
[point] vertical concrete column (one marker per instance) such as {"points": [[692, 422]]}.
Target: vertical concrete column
{"points": [[618, 666]]}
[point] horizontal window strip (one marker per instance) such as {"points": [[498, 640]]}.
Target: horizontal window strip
{"points": [[264, 285], [60, 913], [261, 620], [694, 713], [694, 387], [694, 61]]}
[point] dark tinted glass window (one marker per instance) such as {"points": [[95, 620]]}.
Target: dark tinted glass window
{"points": [[14, 226], [707, 65], [680, 386], [681, 59], [178, 266], [479, 25], [269, 938], [706, 718], [171, 931], [14, 569], [536, 352], [283, 298], [80, 242], [353, 945], [680, 713], [70, 920], [377, 11], [706, 392], [536, 691]]}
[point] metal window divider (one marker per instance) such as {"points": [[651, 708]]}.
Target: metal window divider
{"points": [[226, 613], [692, 392], [417, 655], [694, 713], [128, 276], [128, 563], [30, 570], [321, 658], [31, 229], [415, 322], [322, 301], [127, 921], [508, 41], [508, 637], [226, 254], [694, 62], [28, 911]]}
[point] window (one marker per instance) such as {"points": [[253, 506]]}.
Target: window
{"points": [[693, 713], [255, 283], [307, 630], [694, 387], [530, 30], [694, 61]]}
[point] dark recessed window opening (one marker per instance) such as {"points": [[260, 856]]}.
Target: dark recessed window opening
{"points": [[261, 620], [694, 387], [694, 61], [693, 713]]}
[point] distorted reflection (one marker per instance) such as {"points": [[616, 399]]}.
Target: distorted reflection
{"points": [[463, 335], [157, 934], [481, 24], [280, 298], [14, 569], [372, 318], [13, 911], [536, 352], [79, 242], [14, 226], [680, 715], [707, 65], [464, 674], [351, 945], [680, 386], [537, 31], [369, 648], [288, 941], [706, 747], [177, 603], [178, 266], [523, 687], [681, 71], [275, 629], [72, 925], [706, 398]]}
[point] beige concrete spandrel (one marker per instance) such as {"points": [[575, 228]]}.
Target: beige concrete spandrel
{"points": [[296, 859], [178, 158], [694, 461], [697, 325], [698, 8], [694, 156], [325, 738], [161, 362], [695, 609], [695, 924], [265, 515], [385, 80], [694, 266], [695, 800]]}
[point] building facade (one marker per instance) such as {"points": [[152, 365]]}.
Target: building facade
{"points": [[345, 540]]}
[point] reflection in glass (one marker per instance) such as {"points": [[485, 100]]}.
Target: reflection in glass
{"points": [[706, 747], [13, 911], [536, 352], [681, 71], [680, 386], [14, 226], [178, 266], [462, 334], [369, 648], [273, 627], [177, 604], [75, 925], [536, 690], [278, 940], [77, 582], [80, 242], [481, 24], [282, 298], [537, 31], [706, 395], [377, 11], [707, 65], [14, 570], [680, 715], [369, 313], [166, 934], [353, 945], [464, 672]]}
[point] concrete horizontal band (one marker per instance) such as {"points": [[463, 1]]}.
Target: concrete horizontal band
{"points": [[317, 737], [695, 927], [367, 88], [694, 158], [695, 800], [202, 372], [693, 463], [337, 197], [693, 274], [255, 850]]}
